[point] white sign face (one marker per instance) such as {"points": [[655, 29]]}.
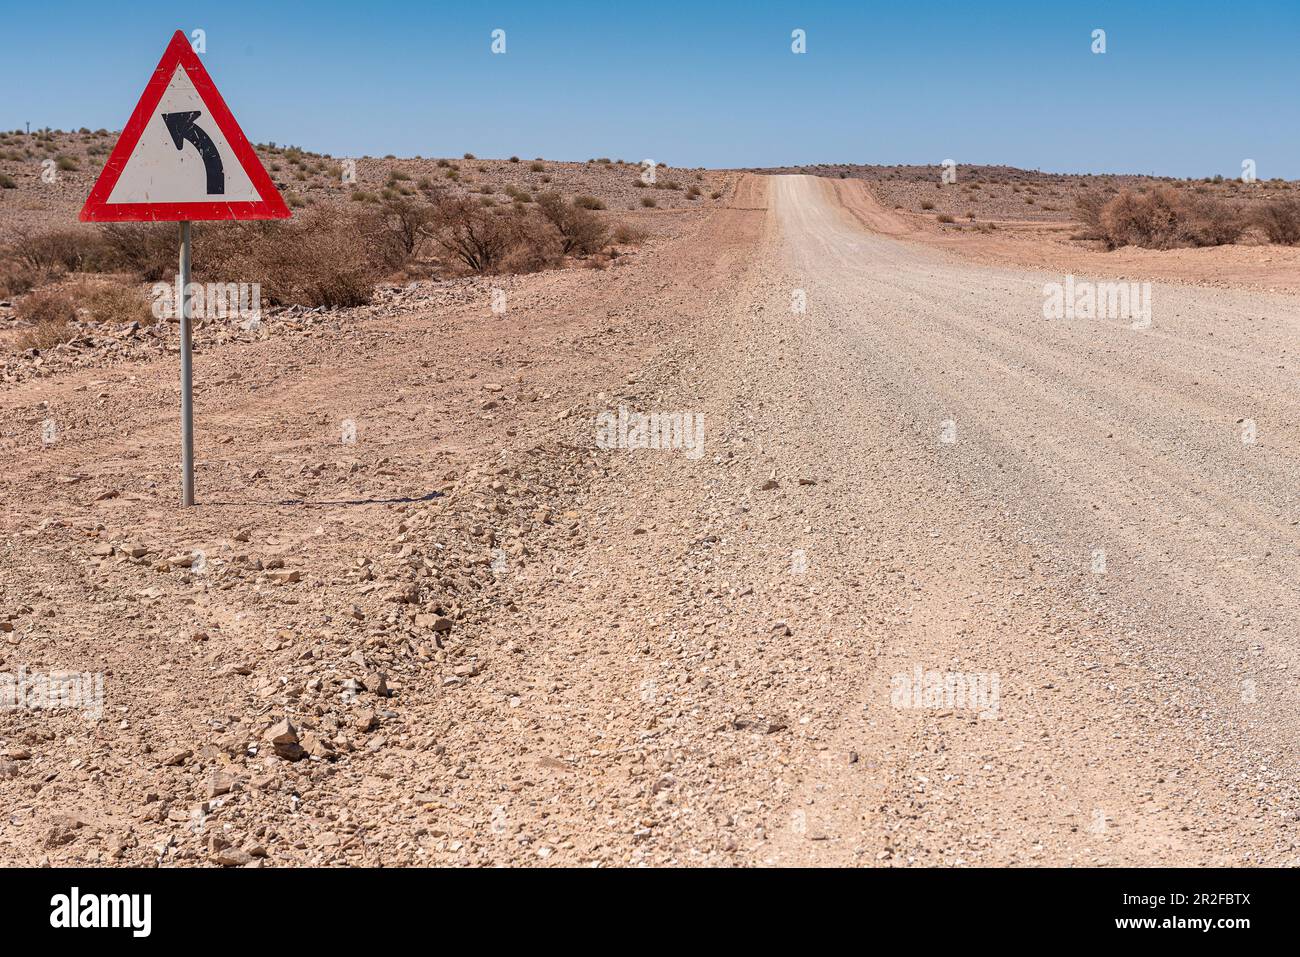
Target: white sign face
{"points": [[182, 155]]}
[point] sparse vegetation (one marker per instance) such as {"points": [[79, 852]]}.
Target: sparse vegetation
{"points": [[107, 301], [1160, 218], [581, 231], [61, 250], [478, 237], [410, 221], [48, 313], [320, 258], [628, 235], [1280, 221]]}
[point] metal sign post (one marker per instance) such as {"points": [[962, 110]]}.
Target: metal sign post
{"points": [[187, 391]]}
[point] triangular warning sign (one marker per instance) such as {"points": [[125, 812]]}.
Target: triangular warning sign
{"points": [[182, 155]]}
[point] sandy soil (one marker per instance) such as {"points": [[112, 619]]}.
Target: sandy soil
{"points": [[1050, 247], [499, 644]]}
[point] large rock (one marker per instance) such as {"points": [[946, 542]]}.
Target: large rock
{"points": [[283, 737]]}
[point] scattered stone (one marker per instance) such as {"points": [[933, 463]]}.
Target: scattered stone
{"points": [[317, 746], [119, 844], [175, 759], [284, 739], [230, 857], [408, 594], [219, 783], [63, 828], [758, 724]]}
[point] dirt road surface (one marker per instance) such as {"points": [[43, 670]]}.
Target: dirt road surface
{"points": [[639, 656]]}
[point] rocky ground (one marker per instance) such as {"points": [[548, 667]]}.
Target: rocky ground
{"points": [[419, 617]]}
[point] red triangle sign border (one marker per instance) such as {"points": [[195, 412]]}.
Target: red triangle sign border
{"points": [[98, 209]]}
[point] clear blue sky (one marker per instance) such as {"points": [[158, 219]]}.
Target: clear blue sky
{"points": [[1185, 88]]}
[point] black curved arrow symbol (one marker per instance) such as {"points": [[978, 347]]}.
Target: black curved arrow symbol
{"points": [[181, 127]]}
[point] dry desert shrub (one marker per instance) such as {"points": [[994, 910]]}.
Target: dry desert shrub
{"points": [[1280, 221], [534, 246], [1161, 218], [581, 230], [488, 240], [1088, 208], [60, 250], [628, 235], [16, 279], [1212, 222], [475, 235], [48, 312], [409, 220], [110, 302], [321, 258], [150, 250]]}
